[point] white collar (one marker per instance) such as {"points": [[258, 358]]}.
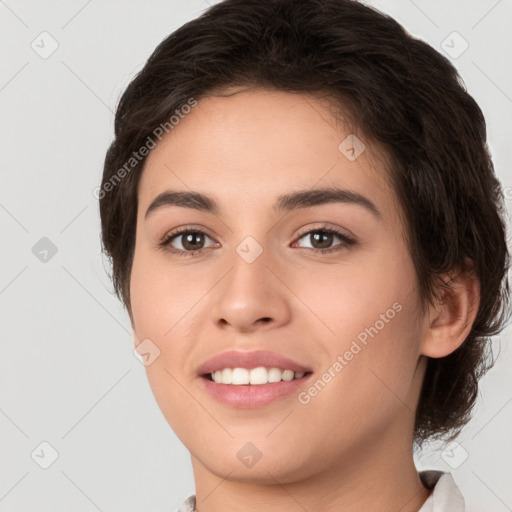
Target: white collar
{"points": [[446, 496]]}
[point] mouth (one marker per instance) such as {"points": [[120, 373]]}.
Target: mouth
{"points": [[252, 379]]}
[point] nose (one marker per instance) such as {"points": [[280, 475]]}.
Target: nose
{"points": [[251, 296]]}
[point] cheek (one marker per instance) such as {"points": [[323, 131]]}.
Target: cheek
{"points": [[368, 381], [374, 314], [161, 296], [161, 301], [168, 308], [373, 293]]}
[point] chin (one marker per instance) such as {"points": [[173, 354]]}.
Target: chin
{"points": [[244, 462]]}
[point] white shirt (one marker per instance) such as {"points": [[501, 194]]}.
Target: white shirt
{"points": [[446, 496]]}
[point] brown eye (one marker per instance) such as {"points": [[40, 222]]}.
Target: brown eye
{"points": [[185, 241], [192, 241], [322, 239]]}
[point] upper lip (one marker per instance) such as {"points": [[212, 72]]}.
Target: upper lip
{"points": [[252, 359]]}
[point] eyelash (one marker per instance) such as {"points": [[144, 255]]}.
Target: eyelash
{"points": [[347, 241]]}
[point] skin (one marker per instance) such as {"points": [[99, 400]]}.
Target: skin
{"points": [[350, 447]]}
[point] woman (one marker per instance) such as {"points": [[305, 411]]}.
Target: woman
{"points": [[307, 232]]}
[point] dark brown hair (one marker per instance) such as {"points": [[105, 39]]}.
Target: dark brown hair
{"points": [[401, 93]]}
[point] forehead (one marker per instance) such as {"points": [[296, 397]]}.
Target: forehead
{"points": [[250, 147]]}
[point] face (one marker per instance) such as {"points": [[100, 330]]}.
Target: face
{"points": [[314, 284]]}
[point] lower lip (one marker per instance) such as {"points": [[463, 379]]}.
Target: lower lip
{"points": [[249, 396]]}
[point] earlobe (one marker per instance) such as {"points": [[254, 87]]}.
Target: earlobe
{"points": [[451, 319]]}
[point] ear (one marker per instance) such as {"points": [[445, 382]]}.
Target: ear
{"points": [[451, 318]]}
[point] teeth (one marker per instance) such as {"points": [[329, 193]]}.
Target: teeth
{"points": [[274, 375], [240, 376], [258, 375], [287, 375], [226, 375], [255, 376]]}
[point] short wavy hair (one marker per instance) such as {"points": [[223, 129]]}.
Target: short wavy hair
{"points": [[401, 93]]}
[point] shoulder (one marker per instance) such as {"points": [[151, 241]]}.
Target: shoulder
{"points": [[189, 505]]}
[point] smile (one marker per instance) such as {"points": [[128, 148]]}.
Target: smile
{"points": [[254, 376], [251, 379]]}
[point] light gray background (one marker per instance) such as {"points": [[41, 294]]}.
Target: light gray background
{"points": [[68, 375]]}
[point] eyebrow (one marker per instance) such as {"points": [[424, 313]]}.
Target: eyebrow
{"points": [[284, 203]]}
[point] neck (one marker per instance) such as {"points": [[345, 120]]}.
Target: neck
{"points": [[381, 477]]}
